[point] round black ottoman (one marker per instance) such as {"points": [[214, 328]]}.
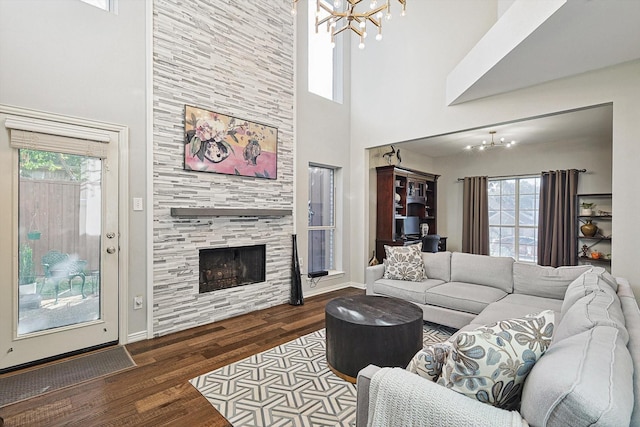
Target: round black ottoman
{"points": [[363, 330]]}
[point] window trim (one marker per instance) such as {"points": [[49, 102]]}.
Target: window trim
{"points": [[336, 217]]}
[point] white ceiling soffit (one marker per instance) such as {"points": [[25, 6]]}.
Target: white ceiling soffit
{"points": [[538, 41]]}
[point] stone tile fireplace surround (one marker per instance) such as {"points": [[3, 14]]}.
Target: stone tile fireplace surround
{"points": [[178, 304], [235, 58]]}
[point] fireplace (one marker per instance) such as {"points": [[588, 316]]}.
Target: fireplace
{"points": [[223, 268]]}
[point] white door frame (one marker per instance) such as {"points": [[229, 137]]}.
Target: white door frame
{"points": [[123, 194]]}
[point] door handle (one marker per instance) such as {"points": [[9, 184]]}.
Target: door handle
{"points": [[111, 250]]}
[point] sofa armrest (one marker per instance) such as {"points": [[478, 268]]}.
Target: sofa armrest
{"points": [[362, 402], [425, 403], [372, 274]]}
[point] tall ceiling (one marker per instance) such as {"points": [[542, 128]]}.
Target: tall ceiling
{"points": [[535, 42], [583, 124], [575, 36]]}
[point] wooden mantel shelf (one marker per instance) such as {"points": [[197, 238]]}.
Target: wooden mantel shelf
{"points": [[199, 212]]}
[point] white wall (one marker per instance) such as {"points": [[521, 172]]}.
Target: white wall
{"points": [[410, 103], [322, 137], [67, 57]]}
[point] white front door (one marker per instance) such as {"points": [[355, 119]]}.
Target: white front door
{"points": [[59, 254]]}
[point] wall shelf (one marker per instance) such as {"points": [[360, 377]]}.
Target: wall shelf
{"points": [[601, 242]]}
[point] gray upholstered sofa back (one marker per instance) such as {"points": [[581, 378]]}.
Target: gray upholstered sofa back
{"points": [[496, 272]]}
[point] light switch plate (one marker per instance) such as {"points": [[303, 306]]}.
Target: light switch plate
{"points": [[137, 204]]}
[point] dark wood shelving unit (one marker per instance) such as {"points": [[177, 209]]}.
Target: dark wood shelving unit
{"points": [[402, 193]]}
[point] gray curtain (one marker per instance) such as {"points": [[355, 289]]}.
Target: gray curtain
{"points": [[556, 224], [475, 216]]}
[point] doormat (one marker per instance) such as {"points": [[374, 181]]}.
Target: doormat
{"points": [[289, 385], [31, 382]]}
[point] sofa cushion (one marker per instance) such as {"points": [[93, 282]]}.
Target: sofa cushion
{"points": [[428, 362], [537, 303], [410, 291], [437, 265], [585, 284], [546, 282], [583, 380], [404, 262], [577, 289], [491, 363], [506, 308], [597, 308], [610, 280], [460, 296], [496, 272]]}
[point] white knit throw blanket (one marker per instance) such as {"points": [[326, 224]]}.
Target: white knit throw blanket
{"points": [[401, 398]]}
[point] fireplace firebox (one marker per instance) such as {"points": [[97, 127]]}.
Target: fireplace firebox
{"points": [[222, 268]]}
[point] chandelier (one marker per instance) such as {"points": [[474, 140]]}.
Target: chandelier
{"points": [[487, 145], [342, 16]]}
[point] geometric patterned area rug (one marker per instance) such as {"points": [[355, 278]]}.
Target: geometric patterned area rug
{"points": [[27, 383], [289, 385]]}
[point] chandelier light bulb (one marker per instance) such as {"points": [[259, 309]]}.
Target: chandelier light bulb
{"points": [[403, 13], [489, 145], [341, 15], [333, 45]]}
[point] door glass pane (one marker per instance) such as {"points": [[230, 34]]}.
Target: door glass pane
{"points": [[59, 214]]}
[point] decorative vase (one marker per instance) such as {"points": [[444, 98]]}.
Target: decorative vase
{"points": [[296, 281], [589, 229]]}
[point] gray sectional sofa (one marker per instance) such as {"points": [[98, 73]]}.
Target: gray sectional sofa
{"points": [[589, 374]]}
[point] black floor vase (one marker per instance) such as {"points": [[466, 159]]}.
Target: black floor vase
{"points": [[296, 280]]}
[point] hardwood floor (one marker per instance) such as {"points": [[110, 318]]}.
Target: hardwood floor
{"points": [[157, 391]]}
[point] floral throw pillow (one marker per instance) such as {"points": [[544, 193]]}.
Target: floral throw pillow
{"points": [[404, 263], [491, 363], [429, 361]]}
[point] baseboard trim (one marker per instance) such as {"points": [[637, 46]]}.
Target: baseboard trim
{"points": [[137, 336], [325, 289]]}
